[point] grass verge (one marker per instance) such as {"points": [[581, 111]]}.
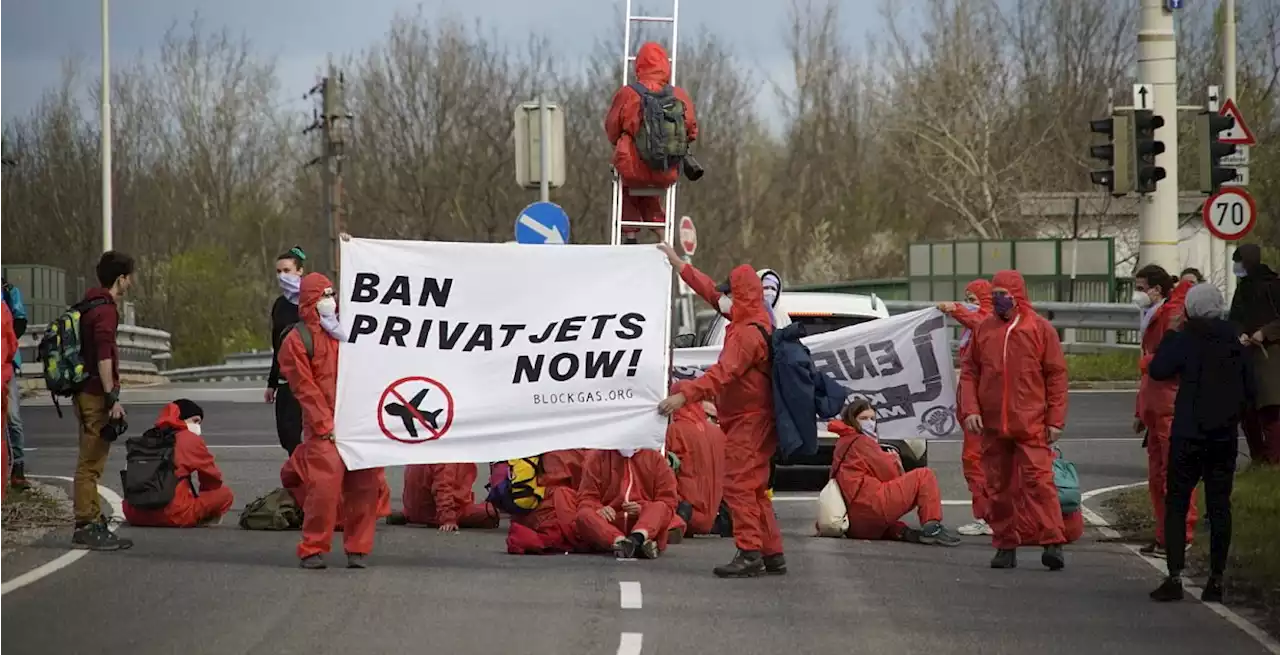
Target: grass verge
{"points": [[1253, 571], [29, 513], [1103, 367]]}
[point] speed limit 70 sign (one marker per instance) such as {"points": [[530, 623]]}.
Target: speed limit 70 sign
{"points": [[1230, 213]]}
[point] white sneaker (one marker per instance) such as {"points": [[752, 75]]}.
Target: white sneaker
{"points": [[978, 528]]}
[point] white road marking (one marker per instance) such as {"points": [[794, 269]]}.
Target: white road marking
{"points": [[68, 558], [630, 643], [629, 595], [1265, 640]]}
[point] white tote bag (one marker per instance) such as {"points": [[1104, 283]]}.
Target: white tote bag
{"points": [[833, 516]]}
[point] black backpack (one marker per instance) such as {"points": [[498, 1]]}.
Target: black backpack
{"points": [[663, 138], [150, 477]]}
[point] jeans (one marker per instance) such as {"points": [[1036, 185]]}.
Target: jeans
{"points": [[14, 420], [1191, 460]]}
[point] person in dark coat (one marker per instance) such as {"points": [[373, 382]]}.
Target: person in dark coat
{"points": [[284, 314], [1255, 311], [1217, 387]]}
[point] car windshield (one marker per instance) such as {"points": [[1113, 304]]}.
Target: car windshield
{"points": [[820, 324]]}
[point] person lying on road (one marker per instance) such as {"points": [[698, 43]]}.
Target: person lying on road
{"points": [[876, 491], [442, 496], [200, 497], [626, 502]]}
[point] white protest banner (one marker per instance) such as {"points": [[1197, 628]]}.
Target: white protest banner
{"points": [[479, 352], [902, 364]]}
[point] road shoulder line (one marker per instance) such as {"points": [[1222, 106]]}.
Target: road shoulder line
{"points": [[71, 556]]}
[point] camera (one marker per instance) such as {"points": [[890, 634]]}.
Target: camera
{"points": [[691, 168]]}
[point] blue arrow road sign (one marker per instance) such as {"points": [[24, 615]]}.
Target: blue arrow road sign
{"points": [[542, 222]]}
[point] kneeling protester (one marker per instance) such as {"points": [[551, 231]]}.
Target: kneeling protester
{"points": [[440, 495], [170, 479], [626, 502]]}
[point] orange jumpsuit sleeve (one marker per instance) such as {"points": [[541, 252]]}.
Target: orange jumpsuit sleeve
{"points": [[690, 114], [1054, 367], [317, 415], [883, 465], [967, 318], [589, 489], [621, 108], [443, 489], [196, 455], [702, 284], [970, 375], [742, 349]]}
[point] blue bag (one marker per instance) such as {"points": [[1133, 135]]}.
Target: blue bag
{"points": [[1067, 481]]}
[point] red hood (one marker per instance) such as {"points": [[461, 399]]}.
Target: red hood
{"points": [[748, 297], [1012, 280], [652, 66], [169, 418], [981, 289], [691, 412], [313, 286]]}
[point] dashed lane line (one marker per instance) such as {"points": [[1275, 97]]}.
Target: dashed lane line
{"points": [[629, 595]]}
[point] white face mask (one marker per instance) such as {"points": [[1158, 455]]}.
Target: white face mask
{"points": [[1238, 269], [193, 428], [868, 426], [327, 306], [1141, 299], [626, 452], [725, 304]]}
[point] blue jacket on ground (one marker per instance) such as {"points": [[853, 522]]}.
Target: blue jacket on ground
{"points": [[801, 395]]}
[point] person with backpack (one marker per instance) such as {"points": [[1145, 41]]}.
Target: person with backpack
{"points": [[741, 383], [552, 526], [1217, 387], [977, 308], [309, 361], [171, 479], [626, 503], [97, 398], [699, 446], [650, 124], [13, 415], [1013, 390], [441, 496], [284, 315]]}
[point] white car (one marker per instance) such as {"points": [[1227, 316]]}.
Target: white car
{"points": [[824, 312]]}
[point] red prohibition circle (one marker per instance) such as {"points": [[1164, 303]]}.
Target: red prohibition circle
{"points": [[1206, 213], [391, 391]]}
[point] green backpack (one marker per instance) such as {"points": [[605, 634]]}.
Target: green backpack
{"points": [[275, 511], [63, 365], [663, 137]]}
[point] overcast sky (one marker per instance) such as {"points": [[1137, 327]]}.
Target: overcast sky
{"points": [[39, 34]]}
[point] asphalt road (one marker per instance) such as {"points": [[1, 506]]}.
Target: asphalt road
{"points": [[226, 591]]}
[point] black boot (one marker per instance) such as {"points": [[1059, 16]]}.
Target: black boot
{"points": [[18, 479], [685, 511], [775, 564], [1212, 590], [1053, 558], [1169, 590], [397, 518], [1006, 558], [746, 564]]}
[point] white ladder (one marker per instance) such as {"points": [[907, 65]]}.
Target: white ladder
{"points": [[628, 62]]}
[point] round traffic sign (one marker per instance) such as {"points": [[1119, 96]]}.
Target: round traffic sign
{"points": [[1230, 213], [688, 236]]}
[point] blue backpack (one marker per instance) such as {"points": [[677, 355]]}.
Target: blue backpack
{"points": [[1067, 481], [801, 395]]}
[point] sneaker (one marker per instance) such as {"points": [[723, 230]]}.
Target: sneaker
{"points": [[1169, 590], [933, 534], [313, 563], [911, 536], [978, 528], [625, 548], [1053, 558], [1005, 558], [97, 536], [645, 548], [1212, 590], [746, 564], [1154, 550], [18, 478], [775, 564], [397, 518], [675, 536], [357, 561]]}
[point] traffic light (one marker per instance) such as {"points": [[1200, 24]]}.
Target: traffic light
{"points": [[1145, 149], [1117, 153], [1210, 150]]}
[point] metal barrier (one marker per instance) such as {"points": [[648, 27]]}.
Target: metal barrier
{"points": [[142, 350]]}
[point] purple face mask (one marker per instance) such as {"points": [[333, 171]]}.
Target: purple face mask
{"points": [[1003, 305]]}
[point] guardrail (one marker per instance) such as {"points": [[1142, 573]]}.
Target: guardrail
{"points": [[143, 350]]}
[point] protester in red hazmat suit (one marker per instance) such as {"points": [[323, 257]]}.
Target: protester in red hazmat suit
{"points": [[625, 502], [978, 296], [699, 446], [313, 378], [442, 496], [553, 526], [1013, 388], [741, 383], [1162, 305], [200, 496], [291, 479], [10, 341]]}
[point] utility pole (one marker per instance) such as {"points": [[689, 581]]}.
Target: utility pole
{"points": [[105, 128], [1229, 86], [1158, 67], [329, 123]]}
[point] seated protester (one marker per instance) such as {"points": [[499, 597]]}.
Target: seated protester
{"points": [[291, 479], [699, 445], [625, 503], [442, 496], [200, 496], [552, 527], [876, 491]]}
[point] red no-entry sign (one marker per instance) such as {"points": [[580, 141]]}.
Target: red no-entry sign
{"points": [[688, 236]]}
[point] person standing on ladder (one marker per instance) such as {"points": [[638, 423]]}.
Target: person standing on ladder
{"points": [[650, 124]]}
